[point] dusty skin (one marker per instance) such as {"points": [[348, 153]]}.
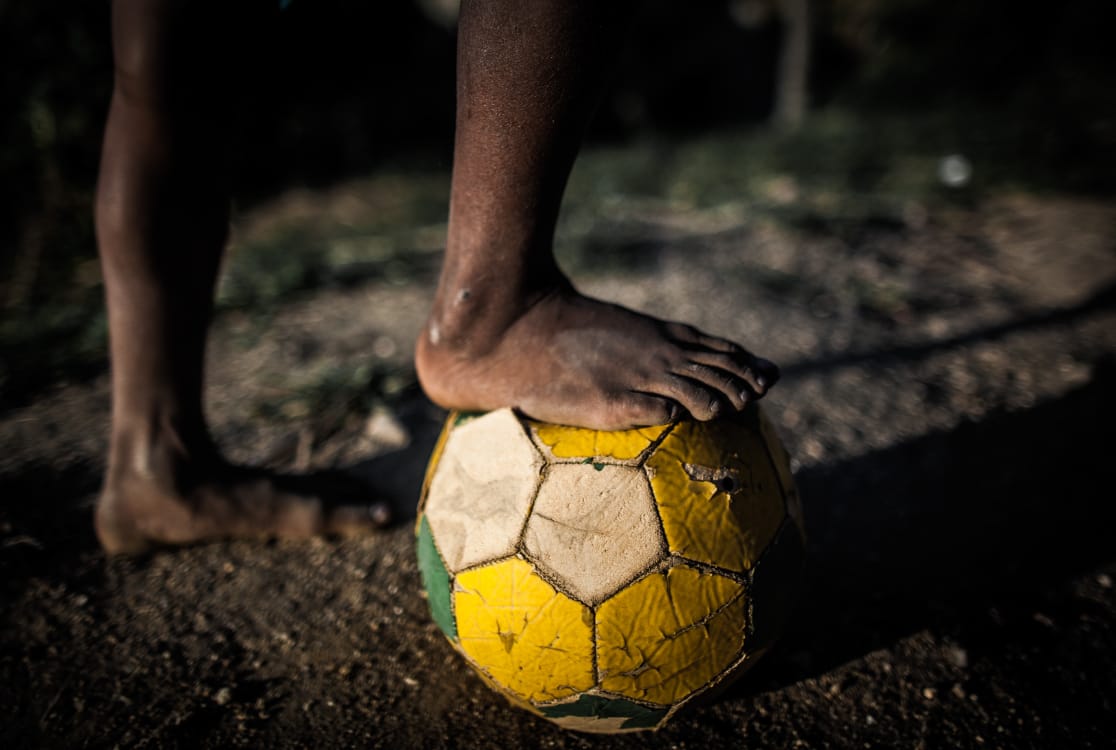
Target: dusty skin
{"points": [[569, 359]]}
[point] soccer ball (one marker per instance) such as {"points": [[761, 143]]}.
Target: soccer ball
{"points": [[604, 579]]}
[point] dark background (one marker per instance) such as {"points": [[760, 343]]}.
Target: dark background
{"points": [[344, 87]]}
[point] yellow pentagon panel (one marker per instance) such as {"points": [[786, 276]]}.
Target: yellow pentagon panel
{"points": [[669, 634], [575, 442], [717, 493], [529, 638], [481, 489], [593, 528]]}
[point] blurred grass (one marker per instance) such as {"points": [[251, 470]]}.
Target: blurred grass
{"points": [[389, 227], [841, 173], [844, 161], [335, 397]]}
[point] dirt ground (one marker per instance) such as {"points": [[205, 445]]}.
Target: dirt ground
{"points": [[949, 393]]}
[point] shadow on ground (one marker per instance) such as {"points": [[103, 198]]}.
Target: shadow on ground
{"points": [[46, 526], [973, 534], [1104, 299]]}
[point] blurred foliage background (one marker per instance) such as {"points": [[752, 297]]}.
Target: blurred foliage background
{"points": [[1023, 89]]}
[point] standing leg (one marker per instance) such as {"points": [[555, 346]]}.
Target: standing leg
{"points": [[507, 328], [162, 217]]}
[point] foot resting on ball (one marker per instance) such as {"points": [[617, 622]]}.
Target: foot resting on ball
{"points": [[565, 358]]}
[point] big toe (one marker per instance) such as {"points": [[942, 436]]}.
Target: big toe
{"points": [[637, 409]]}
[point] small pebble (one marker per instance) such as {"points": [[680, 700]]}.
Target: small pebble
{"points": [[384, 347], [958, 656], [222, 696]]}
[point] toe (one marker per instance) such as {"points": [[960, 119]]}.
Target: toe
{"points": [[693, 337], [329, 502], [636, 409], [759, 373], [753, 374], [695, 397], [730, 386]]}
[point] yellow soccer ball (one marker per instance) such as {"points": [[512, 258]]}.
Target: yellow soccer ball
{"points": [[604, 579]]}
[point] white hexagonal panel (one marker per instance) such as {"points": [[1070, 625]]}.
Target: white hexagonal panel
{"points": [[481, 490], [593, 528]]}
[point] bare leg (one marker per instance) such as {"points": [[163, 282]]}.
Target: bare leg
{"points": [[507, 328], [162, 215]]}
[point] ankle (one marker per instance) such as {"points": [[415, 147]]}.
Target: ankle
{"points": [[470, 319], [158, 446]]}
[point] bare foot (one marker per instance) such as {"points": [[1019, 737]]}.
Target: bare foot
{"points": [[569, 359], [160, 497]]}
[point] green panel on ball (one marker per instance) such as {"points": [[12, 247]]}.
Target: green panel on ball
{"points": [[626, 714], [436, 580], [461, 417]]}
